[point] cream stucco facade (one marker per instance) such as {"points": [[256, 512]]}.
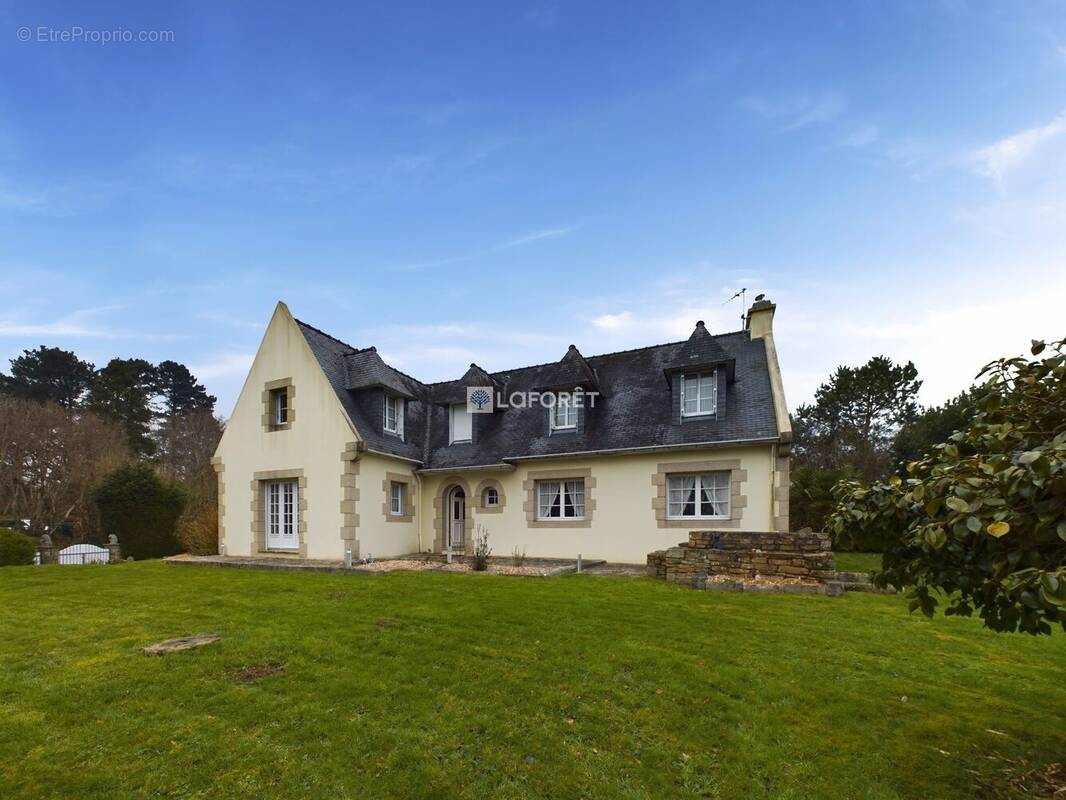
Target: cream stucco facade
{"points": [[344, 487]]}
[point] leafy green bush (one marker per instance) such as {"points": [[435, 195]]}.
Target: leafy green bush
{"points": [[982, 518], [140, 508], [16, 548], [482, 551], [810, 498]]}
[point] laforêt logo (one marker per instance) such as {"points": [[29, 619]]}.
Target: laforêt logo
{"points": [[484, 400], [479, 399]]}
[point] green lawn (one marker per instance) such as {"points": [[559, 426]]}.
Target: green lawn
{"points": [[433, 685], [857, 562]]}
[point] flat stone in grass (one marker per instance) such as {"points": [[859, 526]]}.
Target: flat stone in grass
{"points": [[178, 645]]}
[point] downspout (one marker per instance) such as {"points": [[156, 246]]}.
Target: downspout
{"points": [[418, 511]]}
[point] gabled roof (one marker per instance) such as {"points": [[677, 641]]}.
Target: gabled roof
{"points": [[702, 350], [455, 391], [571, 371], [632, 406], [366, 369]]}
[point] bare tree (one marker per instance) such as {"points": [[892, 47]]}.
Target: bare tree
{"points": [[187, 443], [50, 458]]}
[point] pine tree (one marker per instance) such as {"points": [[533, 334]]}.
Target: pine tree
{"points": [[48, 373], [123, 391], [180, 392]]}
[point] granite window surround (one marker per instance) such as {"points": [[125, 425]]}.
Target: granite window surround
{"points": [[270, 391], [479, 497], [737, 501], [409, 497], [529, 487]]}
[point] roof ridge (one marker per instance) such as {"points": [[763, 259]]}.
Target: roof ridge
{"points": [[613, 353], [503, 371], [358, 350], [334, 338]]}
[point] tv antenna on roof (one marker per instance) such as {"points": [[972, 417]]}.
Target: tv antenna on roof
{"points": [[743, 304]]}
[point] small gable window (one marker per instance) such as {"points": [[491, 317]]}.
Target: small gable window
{"points": [[460, 428], [699, 394], [491, 498], [280, 404], [394, 414], [564, 413]]}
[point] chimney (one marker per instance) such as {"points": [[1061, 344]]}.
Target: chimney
{"points": [[760, 319]]}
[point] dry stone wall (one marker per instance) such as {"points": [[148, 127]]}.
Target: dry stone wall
{"points": [[744, 555]]}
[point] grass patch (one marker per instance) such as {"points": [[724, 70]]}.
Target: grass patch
{"points": [[439, 685], [857, 562]]}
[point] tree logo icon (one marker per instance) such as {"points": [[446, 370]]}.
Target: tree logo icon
{"points": [[479, 399]]}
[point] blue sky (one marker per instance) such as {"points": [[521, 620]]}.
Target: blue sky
{"points": [[493, 181]]}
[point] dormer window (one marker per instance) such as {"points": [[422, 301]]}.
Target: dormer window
{"points": [[699, 394], [280, 398], [394, 414], [564, 413], [459, 427]]}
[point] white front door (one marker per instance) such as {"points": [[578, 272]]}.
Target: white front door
{"points": [[457, 517], [281, 515]]}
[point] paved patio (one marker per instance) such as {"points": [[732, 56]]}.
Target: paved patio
{"points": [[546, 567]]}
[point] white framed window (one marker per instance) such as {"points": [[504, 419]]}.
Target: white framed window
{"points": [[394, 414], [281, 513], [701, 496], [561, 499], [281, 406], [397, 490], [564, 413], [699, 394], [491, 498], [459, 426]]}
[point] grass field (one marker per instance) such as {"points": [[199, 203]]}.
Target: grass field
{"points": [[857, 562], [434, 685]]}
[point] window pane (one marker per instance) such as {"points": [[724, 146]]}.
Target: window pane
{"points": [[281, 407], [548, 499], [287, 515], [564, 413], [461, 426]]}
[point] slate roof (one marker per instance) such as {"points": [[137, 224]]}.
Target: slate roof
{"points": [[635, 407]]}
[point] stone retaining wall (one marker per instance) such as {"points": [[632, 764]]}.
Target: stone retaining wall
{"points": [[744, 555]]}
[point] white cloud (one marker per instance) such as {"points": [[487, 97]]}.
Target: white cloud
{"points": [[537, 236], [1002, 157], [614, 322], [226, 365], [75, 324], [519, 241], [860, 137], [949, 336], [798, 111]]}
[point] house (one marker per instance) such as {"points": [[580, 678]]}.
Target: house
{"points": [[329, 449]]}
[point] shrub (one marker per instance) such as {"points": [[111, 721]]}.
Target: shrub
{"points": [[980, 522], [518, 557], [16, 548], [810, 498], [141, 509], [198, 529], [482, 551]]}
